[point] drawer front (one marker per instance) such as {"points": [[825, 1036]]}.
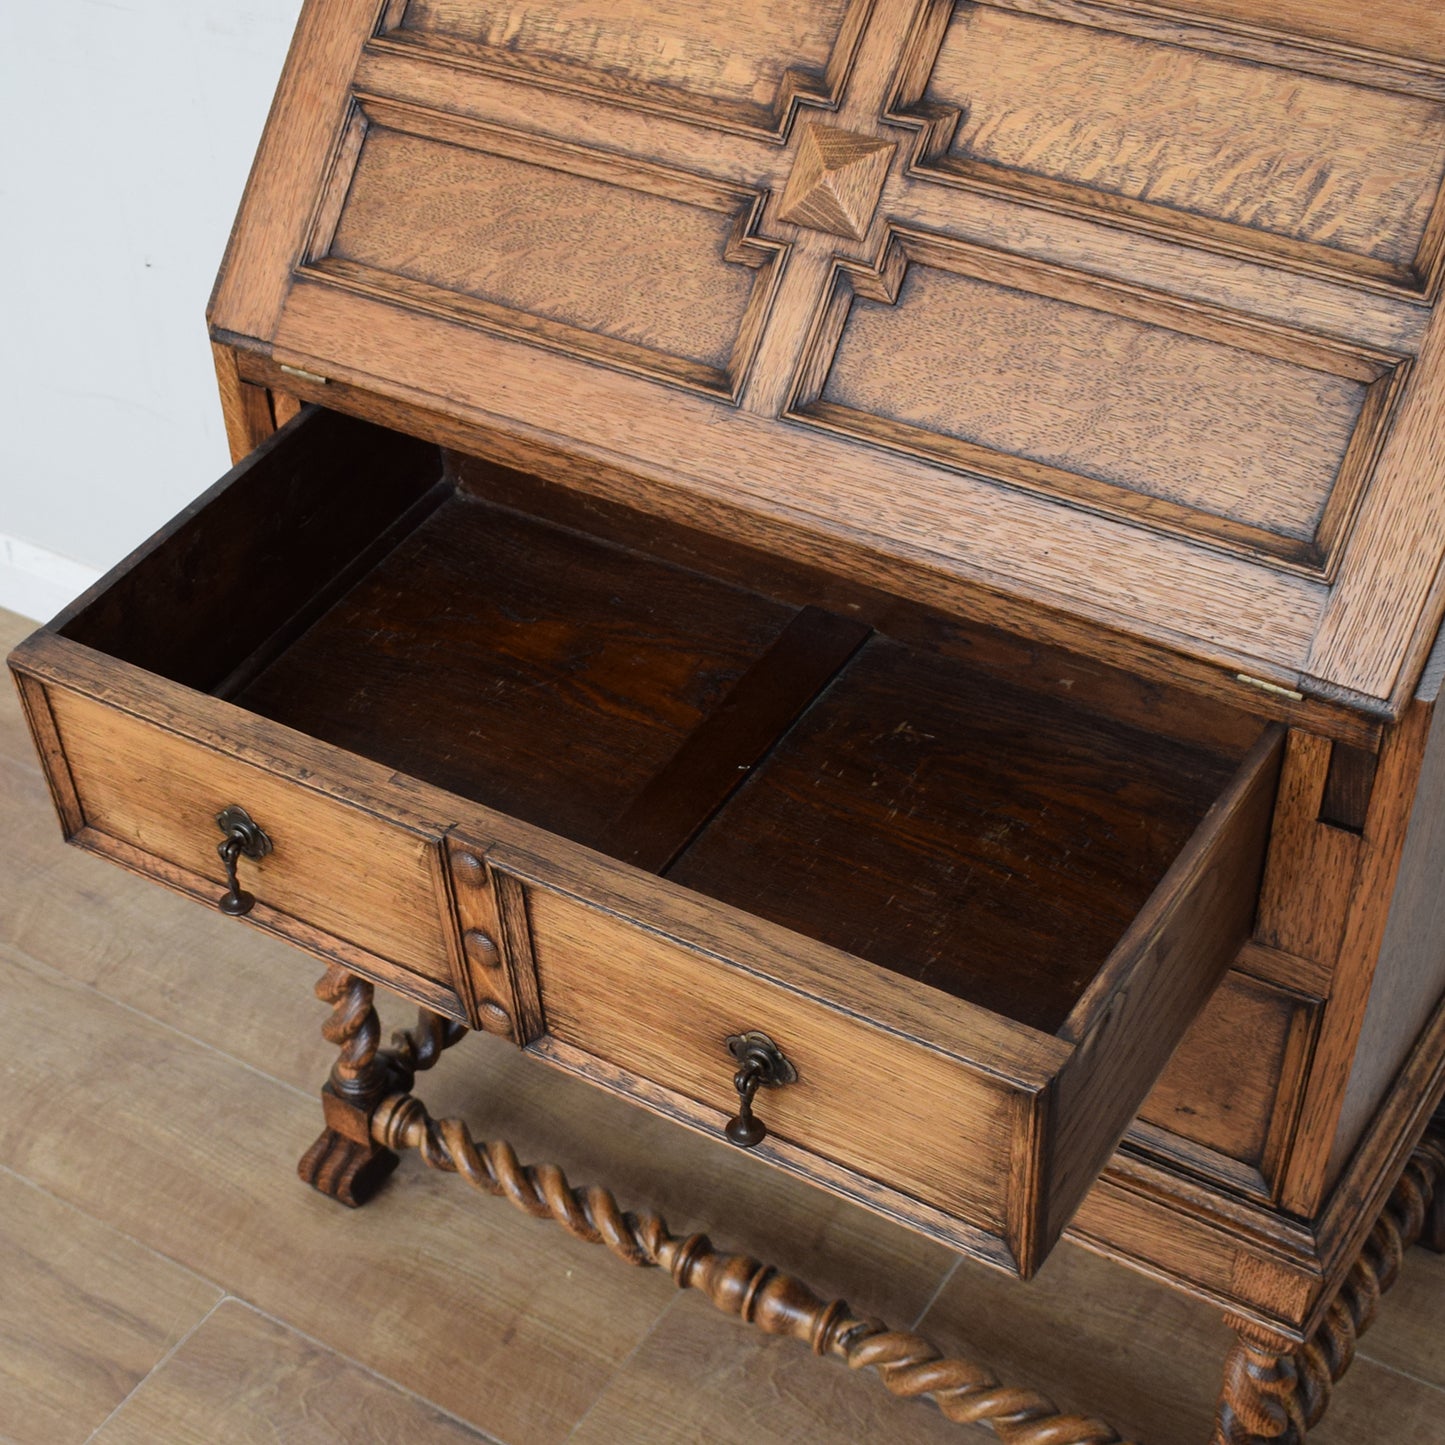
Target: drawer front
{"points": [[886, 1107], [341, 881]]}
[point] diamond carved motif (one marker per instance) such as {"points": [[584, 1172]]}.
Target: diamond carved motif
{"points": [[836, 181]]}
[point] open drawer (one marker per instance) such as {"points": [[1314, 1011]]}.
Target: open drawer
{"points": [[622, 792]]}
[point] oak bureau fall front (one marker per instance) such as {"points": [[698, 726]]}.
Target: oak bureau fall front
{"points": [[862, 574]]}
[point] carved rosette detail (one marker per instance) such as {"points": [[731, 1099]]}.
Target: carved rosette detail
{"points": [[757, 1293], [1275, 1395]]}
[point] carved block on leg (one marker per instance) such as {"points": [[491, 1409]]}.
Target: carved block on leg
{"points": [[344, 1170]]}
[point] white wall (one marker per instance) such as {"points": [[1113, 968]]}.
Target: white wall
{"points": [[126, 131]]}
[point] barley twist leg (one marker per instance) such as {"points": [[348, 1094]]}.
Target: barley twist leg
{"points": [[1275, 1391], [345, 1163]]}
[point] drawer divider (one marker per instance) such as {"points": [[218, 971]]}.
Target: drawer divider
{"points": [[721, 753]]}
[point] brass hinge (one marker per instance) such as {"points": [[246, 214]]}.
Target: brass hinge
{"points": [[304, 374], [1273, 687]]}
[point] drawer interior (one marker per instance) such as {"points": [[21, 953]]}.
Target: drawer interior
{"points": [[970, 810]]}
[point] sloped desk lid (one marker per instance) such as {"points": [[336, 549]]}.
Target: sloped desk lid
{"points": [[1113, 311]]}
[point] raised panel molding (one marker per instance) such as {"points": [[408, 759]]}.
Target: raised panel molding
{"points": [[1235, 139], [687, 59], [1186, 419], [644, 267]]}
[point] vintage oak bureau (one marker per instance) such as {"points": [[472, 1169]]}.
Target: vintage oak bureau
{"points": [[862, 573]]}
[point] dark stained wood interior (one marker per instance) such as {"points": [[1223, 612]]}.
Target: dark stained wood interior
{"points": [[959, 830], [232, 575], [984, 816], [534, 670]]}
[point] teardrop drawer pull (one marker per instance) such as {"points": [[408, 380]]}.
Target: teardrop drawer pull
{"points": [[760, 1063], [242, 836]]}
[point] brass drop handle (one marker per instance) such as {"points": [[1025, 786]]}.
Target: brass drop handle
{"points": [[761, 1063], [243, 835]]}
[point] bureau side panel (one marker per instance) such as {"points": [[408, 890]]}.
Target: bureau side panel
{"points": [[1409, 977]]}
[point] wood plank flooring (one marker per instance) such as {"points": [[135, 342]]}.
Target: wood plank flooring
{"points": [[164, 1276]]}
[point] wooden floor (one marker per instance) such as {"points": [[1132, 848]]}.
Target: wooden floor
{"points": [[165, 1277]]}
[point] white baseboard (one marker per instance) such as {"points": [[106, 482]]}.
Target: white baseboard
{"points": [[36, 582]]}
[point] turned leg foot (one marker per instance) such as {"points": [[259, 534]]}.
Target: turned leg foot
{"points": [[344, 1170], [345, 1163]]}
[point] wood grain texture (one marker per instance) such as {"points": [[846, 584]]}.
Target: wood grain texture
{"points": [[1017, 1052], [158, 953], [237, 567], [1158, 977], [496, 946], [938, 1129], [248, 1380], [688, 57], [245, 407], [1271, 152], [959, 830], [45, 739], [1379, 549], [128, 941], [1305, 897], [1409, 976], [719, 756], [1413, 28], [137, 955], [524, 667], [891, 512], [1315, 1162], [85, 1314], [1382, 617], [291, 165], [836, 181], [641, 266], [1232, 1084], [1100, 398], [365, 880]]}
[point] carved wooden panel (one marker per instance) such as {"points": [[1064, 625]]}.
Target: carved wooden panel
{"points": [[1248, 146], [1049, 284], [1183, 419], [643, 266], [1401, 27], [686, 55]]}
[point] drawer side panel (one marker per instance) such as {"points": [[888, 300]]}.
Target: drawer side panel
{"points": [[1162, 974]]}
